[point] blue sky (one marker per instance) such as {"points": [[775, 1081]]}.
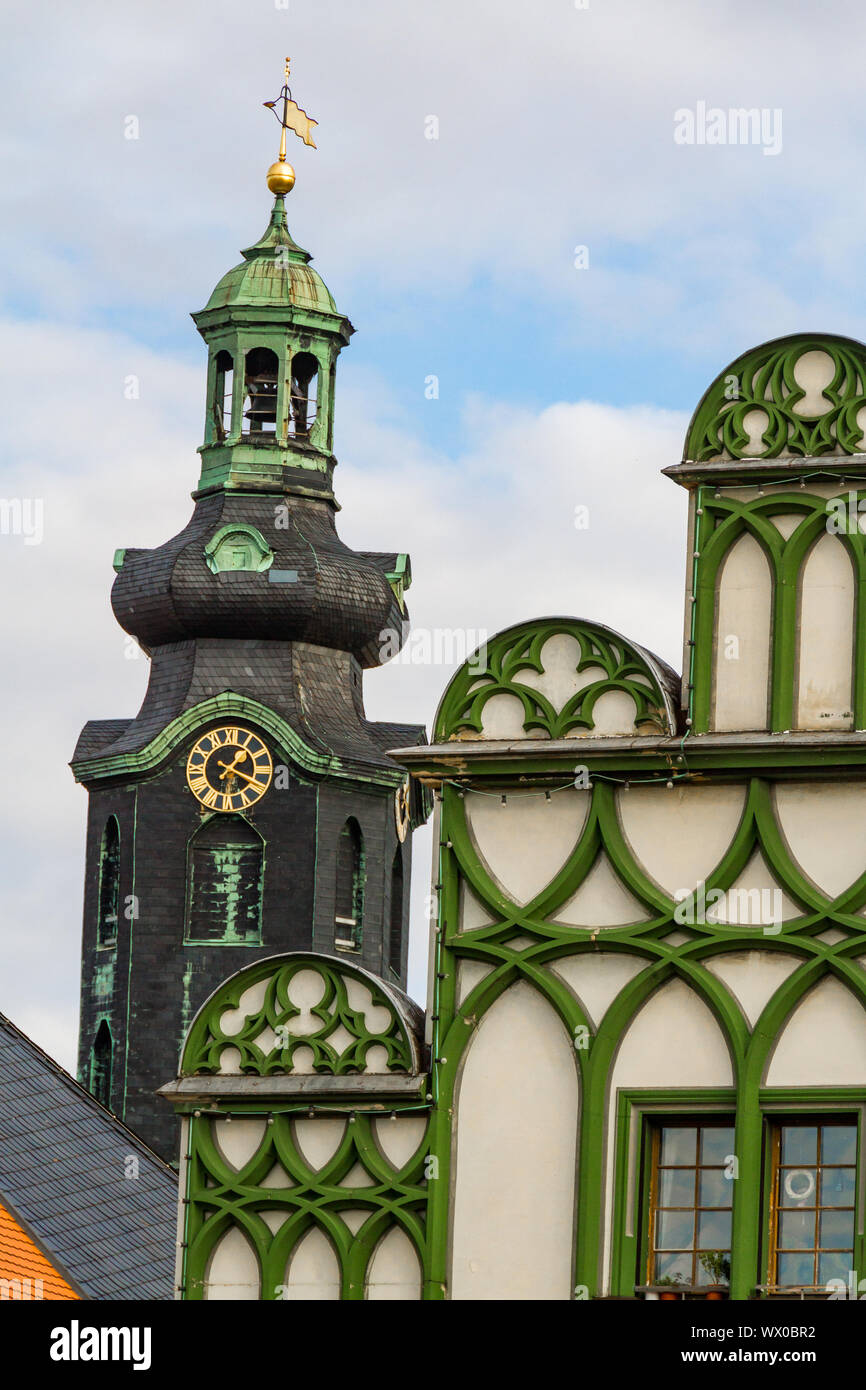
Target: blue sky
{"points": [[453, 257]]}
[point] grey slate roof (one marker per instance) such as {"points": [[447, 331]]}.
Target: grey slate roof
{"points": [[62, 1162]]}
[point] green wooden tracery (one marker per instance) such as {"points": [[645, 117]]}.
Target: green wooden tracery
{"points": [[763, 380], [219, 1196], [208, 1038], [665, 960], [497, 667]]}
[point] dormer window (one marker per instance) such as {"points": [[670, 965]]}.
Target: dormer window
{"points": [[260, 387], [238, 547], [305, 377]]}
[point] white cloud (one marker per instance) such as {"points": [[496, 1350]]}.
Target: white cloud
{"points": [[556, 128]]}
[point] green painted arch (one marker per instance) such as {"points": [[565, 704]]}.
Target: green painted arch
{"points": [[763, 378], [495, 666], [771, 1024], [228, 705], [723, 521]]}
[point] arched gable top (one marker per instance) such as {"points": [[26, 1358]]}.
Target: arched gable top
{"points": [[557, 677], [304, 1012], [803, 396]]}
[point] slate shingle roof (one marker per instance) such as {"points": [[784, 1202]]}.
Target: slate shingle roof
{"points": [[63, 1160]]}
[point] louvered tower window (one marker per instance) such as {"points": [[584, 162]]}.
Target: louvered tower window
{"points": [[305, 373], [349, 902], [100, 1065], [395, 932], [109, 884], [224, 899], [222, 399]]}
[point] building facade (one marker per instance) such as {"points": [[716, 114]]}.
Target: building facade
{"points": [[249, 807], [642, 1071]]}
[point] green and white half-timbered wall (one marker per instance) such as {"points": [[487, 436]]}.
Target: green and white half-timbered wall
{"points": [[647, 1011]]}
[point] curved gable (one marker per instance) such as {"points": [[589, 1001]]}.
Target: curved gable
{"points": [[303, 1012], [557, 678], [801, 396]]}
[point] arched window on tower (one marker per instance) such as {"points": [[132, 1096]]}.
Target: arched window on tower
{"points": [[222, 396], [224, 883], [261, 369], [305, 386], [395, 926], [100, 1065], [349, 899], [109, 884]]}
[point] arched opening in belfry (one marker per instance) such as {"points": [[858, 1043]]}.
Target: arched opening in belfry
{"points": [[305, 378], [395, 925], [224, 889], [261, 372], [349, 898], [222, 395], [100, 1065], [109, 884]]}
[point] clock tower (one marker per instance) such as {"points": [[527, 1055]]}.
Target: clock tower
{"points": [[250, 807]]}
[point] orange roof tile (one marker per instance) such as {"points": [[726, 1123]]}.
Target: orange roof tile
{"points": [[24, 1271]]}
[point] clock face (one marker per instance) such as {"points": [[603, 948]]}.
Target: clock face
{"points": [[229, 769]]}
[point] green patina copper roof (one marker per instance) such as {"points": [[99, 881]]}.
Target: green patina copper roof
{"points": [[274, 271]]}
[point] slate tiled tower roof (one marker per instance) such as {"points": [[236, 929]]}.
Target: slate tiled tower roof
{"points": [[258, 621], [85, 1206]]}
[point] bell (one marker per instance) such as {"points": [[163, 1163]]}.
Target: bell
{"points": [[262, 396]]}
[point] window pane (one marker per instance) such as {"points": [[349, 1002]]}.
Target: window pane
{"points": [[715, 1189], [799, 1144], [798, 1187], [833, 1267], [675, 1267], [836, 1230], [714, 1230], [837, 1187], [678, 1145], [676, 1187], [797, 1230], [796, 1269], [675, 1230], [838, 1143], [716, 1144]]}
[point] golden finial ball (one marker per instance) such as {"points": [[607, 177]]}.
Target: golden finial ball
{"points": [[281, 177]]}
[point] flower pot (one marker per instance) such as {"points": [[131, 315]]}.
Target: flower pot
{"points": [[669, 1297], [716, 1294]]}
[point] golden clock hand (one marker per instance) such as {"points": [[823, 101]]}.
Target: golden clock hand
{"points": [[236, 772], [232, 767]]}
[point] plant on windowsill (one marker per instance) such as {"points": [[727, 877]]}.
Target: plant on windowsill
{"points": [[718, 1266], [670, 1282]]}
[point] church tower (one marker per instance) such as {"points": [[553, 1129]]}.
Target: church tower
{"points": [[249, 808]]}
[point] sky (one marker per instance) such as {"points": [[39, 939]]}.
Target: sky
{"points": [[504, 198]]}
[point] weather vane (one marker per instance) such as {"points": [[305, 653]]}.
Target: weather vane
{"points": [[281, 175]]}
